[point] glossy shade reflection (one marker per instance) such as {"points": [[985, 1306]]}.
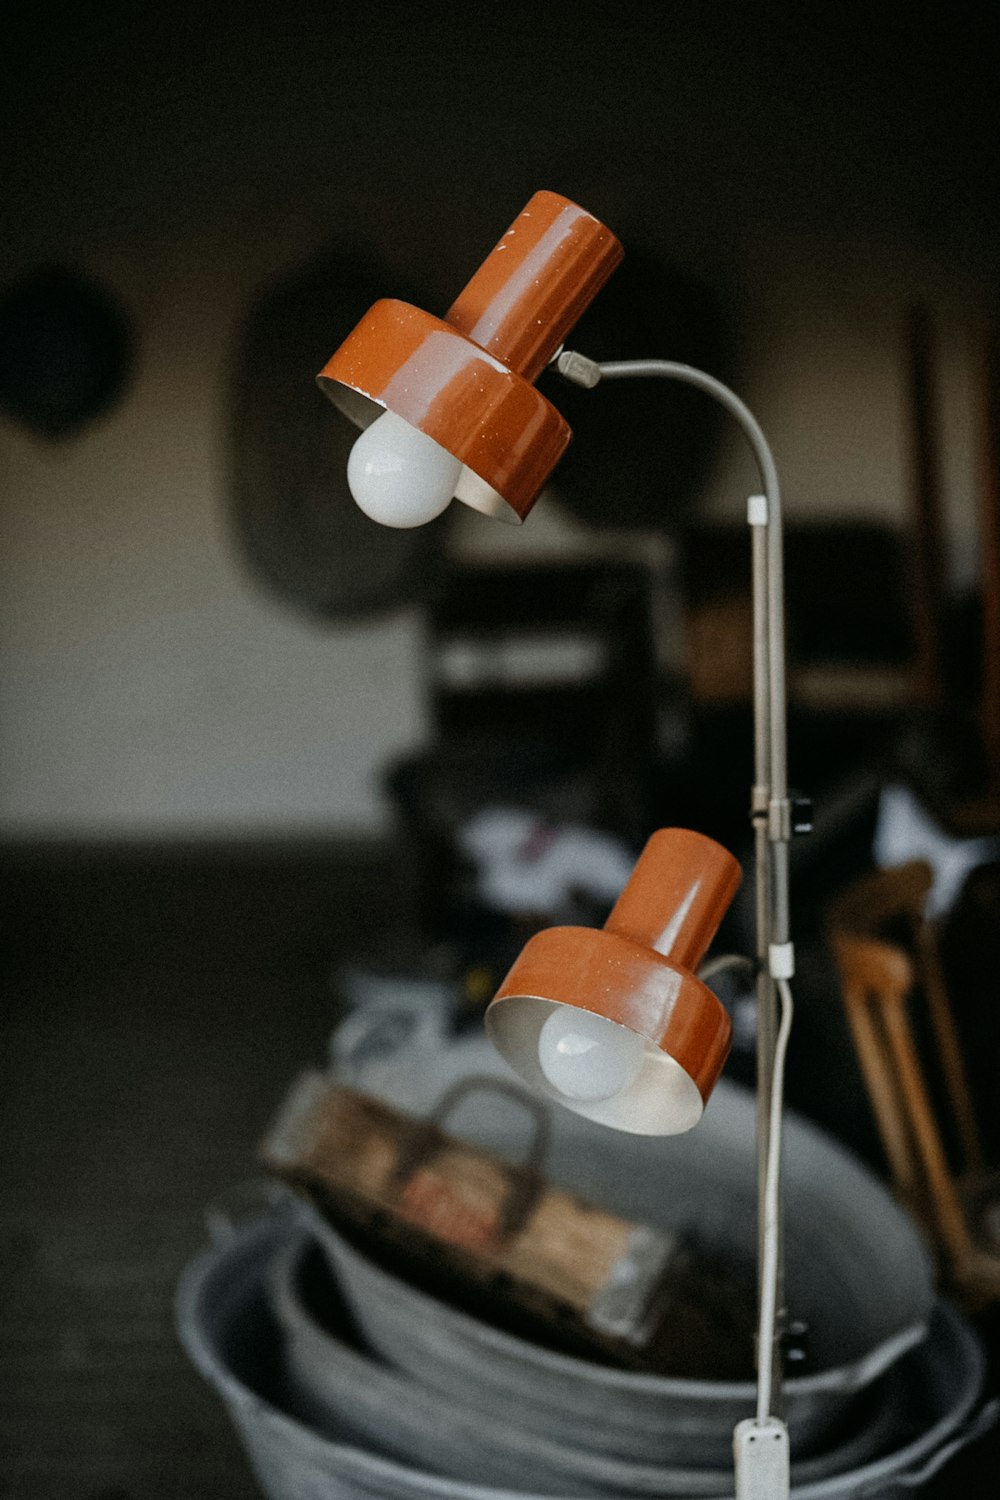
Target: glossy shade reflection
{"points": [[637, 974]]}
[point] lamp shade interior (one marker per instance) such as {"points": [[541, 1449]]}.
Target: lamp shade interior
{"points": [[471, 488], [660, 1099]]}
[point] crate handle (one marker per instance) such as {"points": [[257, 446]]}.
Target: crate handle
{"points": [[423, 1140]]}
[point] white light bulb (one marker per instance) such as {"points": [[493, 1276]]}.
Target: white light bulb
{"points": [[398, 475], [586, 1057]]}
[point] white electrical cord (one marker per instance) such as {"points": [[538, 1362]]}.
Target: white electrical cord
{"points": [[772, 1192]]}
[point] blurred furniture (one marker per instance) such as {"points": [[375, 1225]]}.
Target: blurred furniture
{"points": [[990, 564], [847, 605], [554, 654], [540, 690], [888, 964], [925, 529]]}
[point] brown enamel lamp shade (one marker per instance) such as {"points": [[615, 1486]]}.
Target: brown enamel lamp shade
{"points": [[614, 1023], [465, 381]]}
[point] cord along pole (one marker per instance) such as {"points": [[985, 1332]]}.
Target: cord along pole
{"points": [[760, 1468]]}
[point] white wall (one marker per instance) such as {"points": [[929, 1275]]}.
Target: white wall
{"points": [[147, 686]]}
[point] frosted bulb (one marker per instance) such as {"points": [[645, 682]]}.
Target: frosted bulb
{"points": [[586, 1057], [398, 475]]}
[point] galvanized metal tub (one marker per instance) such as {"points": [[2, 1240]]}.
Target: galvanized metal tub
{"points": [[227, 1328], [857, 1272], [332, 1384]]}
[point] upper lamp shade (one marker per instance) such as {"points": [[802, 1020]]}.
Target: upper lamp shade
{"points": [[613, 1022], [471, 421]]}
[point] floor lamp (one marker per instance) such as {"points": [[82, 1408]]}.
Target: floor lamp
{"points": [[613, 1024]]}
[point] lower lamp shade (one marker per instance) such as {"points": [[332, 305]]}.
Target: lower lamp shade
{"points": [[613, 1023]]}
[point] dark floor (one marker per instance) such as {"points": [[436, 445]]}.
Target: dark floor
{"points": [[156, 1005], [155, 1010]]}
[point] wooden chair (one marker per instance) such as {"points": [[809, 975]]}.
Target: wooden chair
{"points": [[882, 973]]}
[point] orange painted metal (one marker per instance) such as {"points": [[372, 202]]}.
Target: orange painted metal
{"points": [[532, 288], [466, 380], [638, 970], [677, 895]]}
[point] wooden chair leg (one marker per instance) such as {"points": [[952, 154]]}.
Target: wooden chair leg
{"points": [[883, 1095], [952, 1229], [876, 980], [953, 1068]]}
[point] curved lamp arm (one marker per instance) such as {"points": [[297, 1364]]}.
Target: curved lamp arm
{"points": [[771, 813], [771, 736]]}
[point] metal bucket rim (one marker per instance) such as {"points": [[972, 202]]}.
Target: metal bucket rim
{"points": [[241, 1398], [281, 1279]]}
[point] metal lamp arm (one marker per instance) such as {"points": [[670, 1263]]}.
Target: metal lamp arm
{"points": [[583, 371]]}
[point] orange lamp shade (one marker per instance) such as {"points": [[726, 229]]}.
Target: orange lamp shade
{"points": [[614, 1023], [466, 380]]}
